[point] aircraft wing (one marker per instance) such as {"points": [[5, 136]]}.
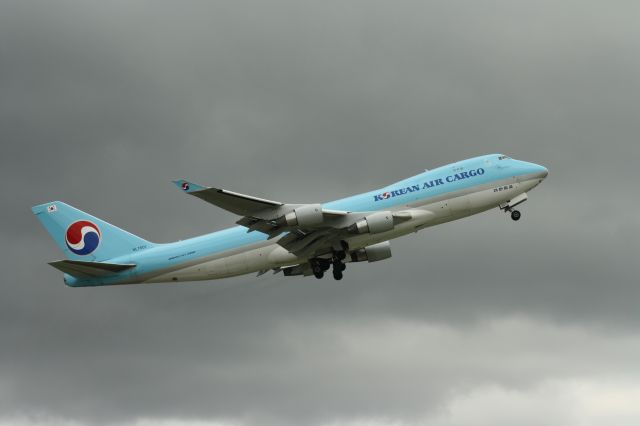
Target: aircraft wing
{"points": [[309, 228], [240, 204]]}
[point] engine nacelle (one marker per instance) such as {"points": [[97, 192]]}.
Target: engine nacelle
{"points": [[372, 253], [307, 215], [373, 224]]}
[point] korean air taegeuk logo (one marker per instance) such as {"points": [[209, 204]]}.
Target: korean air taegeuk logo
{"points": [[82, 237]]}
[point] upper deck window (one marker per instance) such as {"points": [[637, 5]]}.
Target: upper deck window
{"points": [[503, 157]]}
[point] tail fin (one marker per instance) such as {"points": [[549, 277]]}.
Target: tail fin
{"points": [[84, 237]]}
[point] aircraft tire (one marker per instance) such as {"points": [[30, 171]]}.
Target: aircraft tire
{"points": [[516, 215], [337, 275], [318, 270]]}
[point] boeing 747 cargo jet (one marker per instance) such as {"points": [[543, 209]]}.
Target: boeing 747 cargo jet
{"points": [[295, 239]]}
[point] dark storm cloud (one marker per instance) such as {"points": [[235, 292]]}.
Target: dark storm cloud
{"points": [[102, 104]]}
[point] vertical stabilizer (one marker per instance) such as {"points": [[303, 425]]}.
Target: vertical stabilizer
{"points": [[85, 237]]}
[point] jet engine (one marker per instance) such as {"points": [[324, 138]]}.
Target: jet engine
{"points": [[372, 253], [374, 224], [307, 215]]}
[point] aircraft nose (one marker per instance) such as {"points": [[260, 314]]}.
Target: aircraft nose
{"points": [[542, 172], [535, 170]]}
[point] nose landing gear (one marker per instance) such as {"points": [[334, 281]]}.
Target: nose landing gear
{"points": [[508, 207]]}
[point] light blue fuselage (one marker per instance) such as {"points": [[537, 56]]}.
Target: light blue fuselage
{"points": [[449, 192]]}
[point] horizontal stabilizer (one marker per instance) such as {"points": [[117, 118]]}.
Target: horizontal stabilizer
{"points": [[83, 269]]}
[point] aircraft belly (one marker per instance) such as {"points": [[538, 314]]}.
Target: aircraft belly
{"points": [[245, 262], [236, 264], [221, 267], [460, 205], [441, 208], [201, 271], [492, 197]]}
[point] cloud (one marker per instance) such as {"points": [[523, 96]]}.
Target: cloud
{"points": [[104, 103], [424, 373]]}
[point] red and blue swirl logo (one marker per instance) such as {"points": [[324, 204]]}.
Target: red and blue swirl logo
{"points": [[82, 237]]}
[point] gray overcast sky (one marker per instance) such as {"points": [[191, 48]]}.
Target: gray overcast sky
{"points": [[478, 322]]}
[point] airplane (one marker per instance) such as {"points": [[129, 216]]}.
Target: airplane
{"points": [[295, 239]]}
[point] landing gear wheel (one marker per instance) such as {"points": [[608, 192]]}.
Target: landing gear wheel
{"points": [[324, 264], [515, 215], [317, 269], [338, 267]]}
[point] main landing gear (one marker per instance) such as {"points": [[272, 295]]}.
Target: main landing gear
{"points": [[320, 266], [338, 268], [318, 269]]}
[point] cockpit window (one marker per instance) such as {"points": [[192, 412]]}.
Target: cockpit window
{"points": [[503, 157]]}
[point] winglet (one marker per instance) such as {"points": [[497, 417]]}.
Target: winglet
{"points": [[187, 186]]}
